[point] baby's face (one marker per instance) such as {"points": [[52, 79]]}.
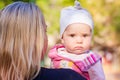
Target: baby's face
{"points": [[77, 38]]}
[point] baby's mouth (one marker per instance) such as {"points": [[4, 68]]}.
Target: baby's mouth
{"points": [[78, 48]]}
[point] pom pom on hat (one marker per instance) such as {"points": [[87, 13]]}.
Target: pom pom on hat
{"points": [[76, 14]]}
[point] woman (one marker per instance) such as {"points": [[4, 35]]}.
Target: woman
{"points": [[23, 42]]}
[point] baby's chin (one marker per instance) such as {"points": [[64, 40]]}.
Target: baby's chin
{"points": [[77, 52]]}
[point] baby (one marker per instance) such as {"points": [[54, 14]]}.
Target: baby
{"points": [[76, 31]]}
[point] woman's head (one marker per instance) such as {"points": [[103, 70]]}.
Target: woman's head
{"points": [[22, 40]]}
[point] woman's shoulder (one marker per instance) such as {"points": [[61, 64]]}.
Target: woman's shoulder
{"points": [[58, 74]]}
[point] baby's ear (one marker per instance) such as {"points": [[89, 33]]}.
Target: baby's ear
{"points": [[62, 41]]}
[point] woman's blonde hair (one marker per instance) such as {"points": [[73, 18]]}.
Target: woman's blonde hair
{"points": [[22, 41]]}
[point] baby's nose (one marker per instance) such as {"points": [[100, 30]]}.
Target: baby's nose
{"points": [[79, 39]]}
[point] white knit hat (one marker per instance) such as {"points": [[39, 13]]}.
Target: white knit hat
{"points": [[76, 14]]}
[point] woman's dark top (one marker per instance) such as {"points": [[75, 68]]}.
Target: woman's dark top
{"points": [[58, 74]]}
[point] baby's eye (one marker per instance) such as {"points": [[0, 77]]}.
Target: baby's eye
{"points": [[85, 35], [71, 35]]}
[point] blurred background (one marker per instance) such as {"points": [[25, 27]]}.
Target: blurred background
{"points": [[106, 40]]}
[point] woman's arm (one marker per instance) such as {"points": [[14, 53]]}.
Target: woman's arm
{"points": [[58, 74]]}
